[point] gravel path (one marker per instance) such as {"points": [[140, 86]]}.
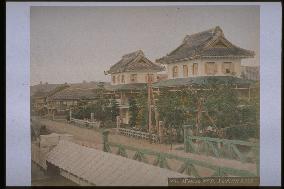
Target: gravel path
{"points": [[92, 138]]}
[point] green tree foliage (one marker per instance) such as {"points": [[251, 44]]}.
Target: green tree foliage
{"points": [[100, 108], [210, 104], [142, 117], [114, 109], [133, 110], [172, 111]]}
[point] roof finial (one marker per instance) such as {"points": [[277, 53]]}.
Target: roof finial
{"points": [[218, 31]]}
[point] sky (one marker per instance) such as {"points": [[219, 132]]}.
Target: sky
{"points": [[72, 44]]}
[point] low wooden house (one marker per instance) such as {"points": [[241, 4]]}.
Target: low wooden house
{"points": [[39, 95], [77, 94]]}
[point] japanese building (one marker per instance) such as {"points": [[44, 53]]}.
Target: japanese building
{"points": [[129, 76], [207, 53], [133, 68], [77, 94]]}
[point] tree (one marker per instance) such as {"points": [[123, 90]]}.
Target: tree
{"points": [[133, 110], [100, 109], [142, 115], [211, 104], [114, 109], [172, 111]]}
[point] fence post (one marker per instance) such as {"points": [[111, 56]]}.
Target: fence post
{"points": [[70, 114], [185, 134], [160, 131], [106, 147], [92, 117]]}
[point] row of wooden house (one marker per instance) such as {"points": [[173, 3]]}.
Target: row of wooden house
{"points": [[201, 56]]}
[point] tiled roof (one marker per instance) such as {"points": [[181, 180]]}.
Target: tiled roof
{"points": [[78, 91], [134, 86], [106, 169], [201, 80], [42, 89], [135, 61], [209, 43]]}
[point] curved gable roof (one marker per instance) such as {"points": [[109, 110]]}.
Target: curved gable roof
{"points": [[135, 61], [209, 43]]}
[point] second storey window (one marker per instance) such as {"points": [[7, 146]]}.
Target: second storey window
{"points": [[118, 79], [149, 77], [210, 68], [185, 70], [194, 69], [113, 79], [133, 78], [175, 71], [227, 67], [122, 79]]}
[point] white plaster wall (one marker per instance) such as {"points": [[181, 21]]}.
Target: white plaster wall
{"points": [[140, 77], [201, 67]]}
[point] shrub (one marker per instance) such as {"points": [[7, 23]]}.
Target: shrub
{"points": [[242, 132]]}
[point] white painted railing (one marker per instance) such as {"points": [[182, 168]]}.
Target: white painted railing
{"points": [[95, 124], [138, 134]]}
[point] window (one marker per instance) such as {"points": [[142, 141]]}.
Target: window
{"points": [[122, 79], [133, 78], [118, 79], [227, 67], [149, 77], [194, 69], [113, 79], [175, 71], [185, 70], [210, 68]]}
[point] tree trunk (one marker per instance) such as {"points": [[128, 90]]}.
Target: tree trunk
{"points": [[210, 118]]}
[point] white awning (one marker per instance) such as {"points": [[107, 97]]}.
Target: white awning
{"points": [[106, 169]]}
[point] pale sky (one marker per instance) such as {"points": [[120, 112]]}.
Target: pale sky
{"points": [[72, 44]]}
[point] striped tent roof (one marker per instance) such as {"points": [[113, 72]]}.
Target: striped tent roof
{"points": [[106, 169]]}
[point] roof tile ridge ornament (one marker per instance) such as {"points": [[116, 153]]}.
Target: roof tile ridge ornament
{"points": [[212, 30], [135, 53], [218, 31]]}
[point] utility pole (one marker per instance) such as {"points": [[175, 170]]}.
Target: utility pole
{"points": [[149, 105]]}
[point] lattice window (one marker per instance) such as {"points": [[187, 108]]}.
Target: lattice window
{"points": [[185, 70], [228, 68], [175, 71], [113, 79], [194, 69], [149, 77], [133, 78], [210, 68], [118, 79], [122, 79]]}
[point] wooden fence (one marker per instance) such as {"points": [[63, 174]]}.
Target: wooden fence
{"points": [[138, 134], [189, 166], [85, 123]]}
